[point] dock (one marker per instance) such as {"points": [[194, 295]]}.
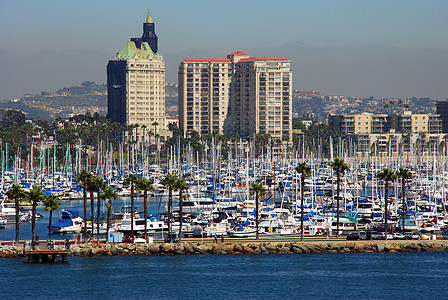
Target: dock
{"points": [[44, 255]]}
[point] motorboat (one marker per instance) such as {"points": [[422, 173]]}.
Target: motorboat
{"points": [[70, 222], [240, 231], [3, 222], [153, 225], [8, 210]]}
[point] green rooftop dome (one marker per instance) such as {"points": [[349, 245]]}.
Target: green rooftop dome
{"points": [[131, 51]]}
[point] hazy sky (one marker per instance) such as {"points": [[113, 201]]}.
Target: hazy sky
{"points": [[222, 26]]}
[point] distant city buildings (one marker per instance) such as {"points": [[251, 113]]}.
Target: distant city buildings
{"points": [[237, 95], [394, 132], [136, 84], [366, 123]]}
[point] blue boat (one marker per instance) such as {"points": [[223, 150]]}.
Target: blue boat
{"points": [[70, 222]]}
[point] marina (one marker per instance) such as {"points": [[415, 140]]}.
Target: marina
{"points": [[218, 197]]}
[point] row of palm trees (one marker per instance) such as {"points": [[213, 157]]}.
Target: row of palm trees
{"points": [[304, 170], [175, 184], [34, 196], [93, 184], [388, 175], [339, 166]]}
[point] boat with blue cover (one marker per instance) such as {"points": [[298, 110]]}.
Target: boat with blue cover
{"points": [[70, 222]]}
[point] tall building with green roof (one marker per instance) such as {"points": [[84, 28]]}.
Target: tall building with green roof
{"points": [[136, 84]]}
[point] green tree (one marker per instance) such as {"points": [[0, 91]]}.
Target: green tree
{"points": [[17, 194], [108, 194], [98, 185], [144, 135], [304, 170], [12, 118], [168, 182], [339, 167], [404, 174], [155, 124], [131, 181], [92, 186], [51, 204], [181, 185], [386, 175], [258, 190], [145, 186], [34, 196], [84, 177], [298, 124]]}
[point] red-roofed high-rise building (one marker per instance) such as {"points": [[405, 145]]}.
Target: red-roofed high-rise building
{"points": [[239, 94]]}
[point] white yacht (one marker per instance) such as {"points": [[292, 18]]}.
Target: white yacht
{"points": [[8, 210], [70, 222], [153, 225]]}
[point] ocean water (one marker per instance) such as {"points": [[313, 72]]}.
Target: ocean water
{"points": [[307, 276]]}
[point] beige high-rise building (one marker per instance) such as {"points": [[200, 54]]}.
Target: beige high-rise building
{"points": [[261, 99], [236, 95], [203, 95], [136, 84]]}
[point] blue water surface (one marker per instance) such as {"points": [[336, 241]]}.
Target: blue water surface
{"points": [[304, 276]]}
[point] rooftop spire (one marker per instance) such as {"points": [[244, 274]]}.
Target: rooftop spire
{"points": [[148, 18]]}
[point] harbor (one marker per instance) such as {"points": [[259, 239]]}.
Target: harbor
{"points": [[219, 196]]}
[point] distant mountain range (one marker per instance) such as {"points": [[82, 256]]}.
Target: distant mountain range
{"points": [[372, 69]]}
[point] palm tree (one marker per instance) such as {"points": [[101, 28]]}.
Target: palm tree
{"points": [[108, 194], [99, 185], [130, 181], [84, 177], [144, 136], [386, 175], [145, 186], [339, 167], [404, 174], [304, 170], [51, 204], [91, 184], [155, 124], [35, 195], [16, 193], [168, 182], [136, 126], [259, 190], [181, 185]]}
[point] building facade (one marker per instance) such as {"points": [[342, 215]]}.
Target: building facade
{"points": [[203, 95], [367, 123], [389, 133], [136, 84], [238, 94]]}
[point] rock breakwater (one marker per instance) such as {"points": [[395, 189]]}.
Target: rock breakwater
{"points": [[250, 247]]}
